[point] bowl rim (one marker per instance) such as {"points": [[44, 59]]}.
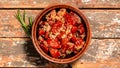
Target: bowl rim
{"points": [[34, 30]]}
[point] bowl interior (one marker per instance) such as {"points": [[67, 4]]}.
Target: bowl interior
{"points": [[35, 29]]}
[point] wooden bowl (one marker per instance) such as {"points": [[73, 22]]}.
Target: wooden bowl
{"points": [[34, 33]]}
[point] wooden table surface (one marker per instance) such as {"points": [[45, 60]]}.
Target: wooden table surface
{"points": [[16, 49]]}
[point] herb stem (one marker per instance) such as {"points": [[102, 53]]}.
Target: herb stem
{"points": [[22, 19]]}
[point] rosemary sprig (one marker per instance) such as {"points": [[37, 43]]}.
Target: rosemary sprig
{"points": [[21, 18]]}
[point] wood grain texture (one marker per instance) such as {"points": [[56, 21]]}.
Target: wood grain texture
{"points": [[45, 3], [17, 50], [104, 23], [96, 65], [21, 52]]}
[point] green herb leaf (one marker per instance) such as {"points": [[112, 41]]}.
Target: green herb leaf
{"points": [[30, 21], [21, 18], [24, 14]]}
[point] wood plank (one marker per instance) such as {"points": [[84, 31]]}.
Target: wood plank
{"points": [[96, 65], [104, 23], [44, 3], [9, 26], [21, 52]]}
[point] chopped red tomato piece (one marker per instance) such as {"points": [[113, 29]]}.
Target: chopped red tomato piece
{"points": [[79, 41], [59, 36], [41, 38], [71, 46], [44, 47], [63, 50], [69, 19], [73, 39], [41, 32], [54, 52], [64, 41], [74, 29], [56, 26], [81, 29], [51, 22], [46, 35], [78, 44], [75, 18], [53, 43]]}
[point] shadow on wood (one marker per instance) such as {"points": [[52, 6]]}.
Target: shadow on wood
{"points": [[35, 59], [33, 56]]}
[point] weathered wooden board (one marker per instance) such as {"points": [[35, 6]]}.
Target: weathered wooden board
{"points": [[96, 65], [104, 23], [44, 3], [21, 52], [17, 50]]}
